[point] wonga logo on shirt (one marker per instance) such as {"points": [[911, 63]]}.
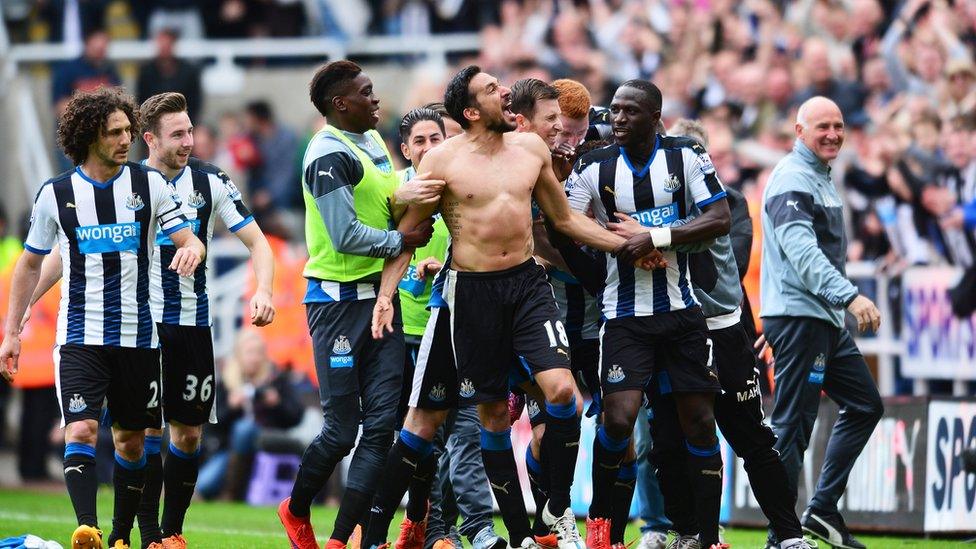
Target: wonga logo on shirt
{"points": [[656, 217], [412, 283], [103, 239]]}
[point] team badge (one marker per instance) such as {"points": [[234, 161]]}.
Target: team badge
{"points": [[672, 184], [819, 365], [134, 202], [533, 408], [342, 346], [196, 200], [467, 388], [232, 191], [616, 374], [438, 393], [77, 404]]}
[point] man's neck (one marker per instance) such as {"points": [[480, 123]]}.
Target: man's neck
{"points": [[341, 124], [485, 139], [168, 172], [99, 171], [640, 152]]}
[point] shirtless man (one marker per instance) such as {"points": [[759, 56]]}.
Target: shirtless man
{"points": [[500, 304]]}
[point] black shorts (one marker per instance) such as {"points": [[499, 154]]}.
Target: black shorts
{"points": [[435, 381], [188, 373], [633, 349], [130, 378], [498, 315]]}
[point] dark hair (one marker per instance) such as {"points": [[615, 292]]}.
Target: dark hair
{"points": [[652, 94], [85, 116], [527, 92], [155, 107], [457, 96], [439, 108], [418, 115], [260, 109], [328, 81]]}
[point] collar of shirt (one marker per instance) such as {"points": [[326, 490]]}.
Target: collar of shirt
{"points": [[804, 152]]}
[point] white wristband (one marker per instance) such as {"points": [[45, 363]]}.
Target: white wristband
{"points": [[660, 236]]}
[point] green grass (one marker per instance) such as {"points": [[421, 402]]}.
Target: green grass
{"points": [[222, 525]]}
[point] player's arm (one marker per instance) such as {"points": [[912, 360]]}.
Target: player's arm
{"points": [[416, 218], [26, 274], [50, 275], [706, 192], [330, 179], [551, 196], [544, 249], [190, 252], [262, 261], [419, 190]]}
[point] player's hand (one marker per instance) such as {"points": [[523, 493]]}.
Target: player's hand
{"points": [[262, 309], [382, 317], [185, 261], [866, 314], [635, 248], [626, 226], [764, 350], [652, 261], [9, 356], [430, 266], [562, 160], [420, 235], [420, 190]]}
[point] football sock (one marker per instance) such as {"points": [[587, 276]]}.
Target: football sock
{"points": [[82, 481], [180, 475], [148, 514], [561, 441], [129, 478], [705, 473], [534, 468], [623, 494], [499, 460], [401, 465], [420, 486], [607, 455]]}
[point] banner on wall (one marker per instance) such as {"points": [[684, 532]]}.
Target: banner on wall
{"points": [[937, 344], [886, 489], [950, 493]]}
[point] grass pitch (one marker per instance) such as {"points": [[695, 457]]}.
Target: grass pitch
{"points": [[221, 525]]}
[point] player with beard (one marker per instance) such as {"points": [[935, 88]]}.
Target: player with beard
{"points": [[500, 304]]}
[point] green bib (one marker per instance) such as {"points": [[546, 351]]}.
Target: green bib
{"points": [[415, 293], [372, 195]]}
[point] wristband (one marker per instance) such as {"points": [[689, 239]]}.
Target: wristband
{"points": [[660, 236]]}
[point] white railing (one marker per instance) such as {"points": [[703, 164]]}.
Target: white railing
{"points": [[227, 50]]}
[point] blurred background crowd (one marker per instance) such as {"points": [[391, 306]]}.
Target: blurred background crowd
{"points": [[901, 71]]}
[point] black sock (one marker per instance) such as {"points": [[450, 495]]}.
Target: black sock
{"points": [[623, 494], [351, 509], [539, 493], [402, 462], [679, 503], [607, 455], [180, 474], [148, 514], [768, 478], [316, 468], [420, 486], [499, 460], [705, 474], [82, 481], [561, 442], [129, 478]]}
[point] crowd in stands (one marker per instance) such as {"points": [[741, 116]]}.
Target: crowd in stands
{"points": [[902, 72]]}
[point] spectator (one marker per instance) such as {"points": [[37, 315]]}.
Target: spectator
{"points": [[274, 180], [848, 95], [205, 143], [959, 91], [959, 190], [167, 73], [176, 14], [252, 396], [86, 73]]}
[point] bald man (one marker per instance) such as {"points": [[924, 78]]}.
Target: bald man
{"points": [[804, 295]]}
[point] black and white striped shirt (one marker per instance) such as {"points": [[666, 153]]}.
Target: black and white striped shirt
{"points": [[105, 233], [678, 175], [207, 192]]}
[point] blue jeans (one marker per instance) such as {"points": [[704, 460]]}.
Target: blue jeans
{"points": [[210, 481], [650, 502], [460, 479]]}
